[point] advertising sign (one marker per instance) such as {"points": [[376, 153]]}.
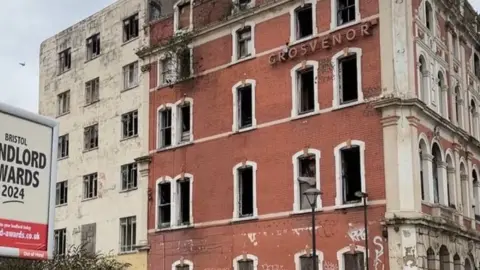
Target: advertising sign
{"points": [[28, 156]]}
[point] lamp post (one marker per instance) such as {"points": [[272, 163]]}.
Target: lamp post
{"points": [[312, 194], [364, 196]]}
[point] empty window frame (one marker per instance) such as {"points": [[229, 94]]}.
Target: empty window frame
{"points": [[304, 21], [306, 90], [63, 146], [64, 60], [90, 137], [90, 186], [184, 113], [165, 128], [61, 193], [184, 68], [306, 262], [307, 177], [60, 242], [154, 9], [346, 11], [63, 103], [129, 176], [183, 15], [351, 170], [245, 264], [184, 201], [476, 65], [348, 79], [244, 42], [245, 99], [167, 70], [93, 46], [130, 75], [354, 261], [428, 15], [183, 265], [129, 124], [88, 237], [130, 28], [128, 233], [92, 91], [246, 191], [164, 204]]}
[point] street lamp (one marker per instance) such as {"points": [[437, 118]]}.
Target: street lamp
{"points": [[312, 194], [364, 196]]}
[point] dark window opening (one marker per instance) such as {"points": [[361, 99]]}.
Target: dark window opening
{"points": [[166, 128], [130, 28], [245, 107], [245, 265], [184, 15], [129, 176], [351, 173], [245, 185], [93, 46], [184, 64], [354, 261], [185, 122], [182, 267], [304, 19], [428, 15], [421, 175], [307, 178], [306, 84], [476, 64], [184, 188], [129, 124], [60, 242], [155, 9], [164, 202], [61, 195], [306, 262], [345, 11], [65, 60], [244, 42], [348, 81]]}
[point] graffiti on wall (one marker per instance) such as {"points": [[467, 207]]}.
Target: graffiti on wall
{"points": [[357, 234], [377, 262], [330, 266], [272, 267]]}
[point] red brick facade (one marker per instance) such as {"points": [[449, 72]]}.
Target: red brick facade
{"points": [[277, 234]]}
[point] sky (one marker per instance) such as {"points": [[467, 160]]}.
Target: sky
{"points": [[24, 24]]}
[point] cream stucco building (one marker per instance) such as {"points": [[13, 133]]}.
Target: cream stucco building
{"points": [[91, 82]]}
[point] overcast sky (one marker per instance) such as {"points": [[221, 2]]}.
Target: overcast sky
{"points": [[24, 24]]}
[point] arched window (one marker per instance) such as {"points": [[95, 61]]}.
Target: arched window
{"points": [[304, 260], [245, 261], [442, 105], [468, 265], [444, 258], [473, 118], [306, 174], [451, 199], [351, 258], [423, 79], [475, 202], [304, 78], [431, 259], [457, 264], [423, 158], [476, 65], [428, 15], [437, 159], [182, 265], [457, 104], [464, 188]]}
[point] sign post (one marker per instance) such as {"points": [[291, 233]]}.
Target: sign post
{"points": [[28, 170]]}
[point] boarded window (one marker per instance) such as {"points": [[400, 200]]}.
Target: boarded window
{"points": [[88, 237]]}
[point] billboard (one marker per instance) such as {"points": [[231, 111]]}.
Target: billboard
{"points": [[28, 169]]}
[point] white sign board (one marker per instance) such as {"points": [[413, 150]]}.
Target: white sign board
{"points": [[28, 169]]}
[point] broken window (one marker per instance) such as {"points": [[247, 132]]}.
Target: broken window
{"points": [[63, 103], [164, 204], [92, 91], [93, 46], [184, 119], [60, 242], [306, 262], [130, 28], [245, 106], [88, 237], [245, 191], [345, 11], [130, 75], [128, 233], [63, 145], [244, 42], [129, 176], [184, 61], [167, 68], [90, 186], [184, 15], [155, 9], [65, 60], [354, 261], [165, 133], [183, 186], [351, 173], [348, 81], [306, 90], [304, 21], [306, 178], [90, 137], [129, 124], [242, 4], [61, 193], [245, 264]]}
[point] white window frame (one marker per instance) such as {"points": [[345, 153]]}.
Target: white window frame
{"points": [[176, 199], [247, 256], [178, 120], [235, 41], [236, 178], [55, 245], [336, 91], [296, 186], [176, 16], [293, 22], [442, 95], [182, 262], [338, 173], [333, 23], [159, 122], [319, 254], [126, 75], [240, 84], [347, 249], [172, 77], [162, 180], [295, 87], [123, 221]]}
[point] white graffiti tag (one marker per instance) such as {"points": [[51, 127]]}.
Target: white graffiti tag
{"points": [[272, 267], [357, 234], [330, 266], [378, 242]]}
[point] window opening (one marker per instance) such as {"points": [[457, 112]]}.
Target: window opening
{"points": [[130, 75], [348, 79], [168, 70], [183, 57], [245, 185], [307, 178], [130, 28], [476, 63], [246, 264], [155, 9], [421, 174], [306, 84], [184, 15], [166, 128], [128, 228], [428, 15], [61, 194], [90, 186], [184, 193], [304, 20], [435, 179], [88, 237], [185, 122], [92, 91], [244, 41], [345, 11], [354, 261], [130, 124], [306, 262], [129, 176], [351, 173], [90, 135], [63, 145], [63, 103], [65, 60], [245, 107], [182, 267], [93, 46], [164, 203], [60, 242]]}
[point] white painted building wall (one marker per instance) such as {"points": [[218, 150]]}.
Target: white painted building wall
{"points": [[111, 204]]}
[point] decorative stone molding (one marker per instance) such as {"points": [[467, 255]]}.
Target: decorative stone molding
{"points": [[450, 170], [464, 177], [390, 120], [441, 164], [143, 165], [427, 157]]}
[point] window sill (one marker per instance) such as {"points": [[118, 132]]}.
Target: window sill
{"points": [[93, 58], [128, 138], [130, 40], [128, 190], [120, 253], [63, 72], [89, 199], [349, 205], [166, 229], [247, 129], [173, 147], [346, 105], [305, 39], [238, 61], [89, 150], [305, 211], [304, 115], [343, 26], [61, 205], [62, 158], [63, 114], [129, 88], [243, 219], [91, 103]]}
